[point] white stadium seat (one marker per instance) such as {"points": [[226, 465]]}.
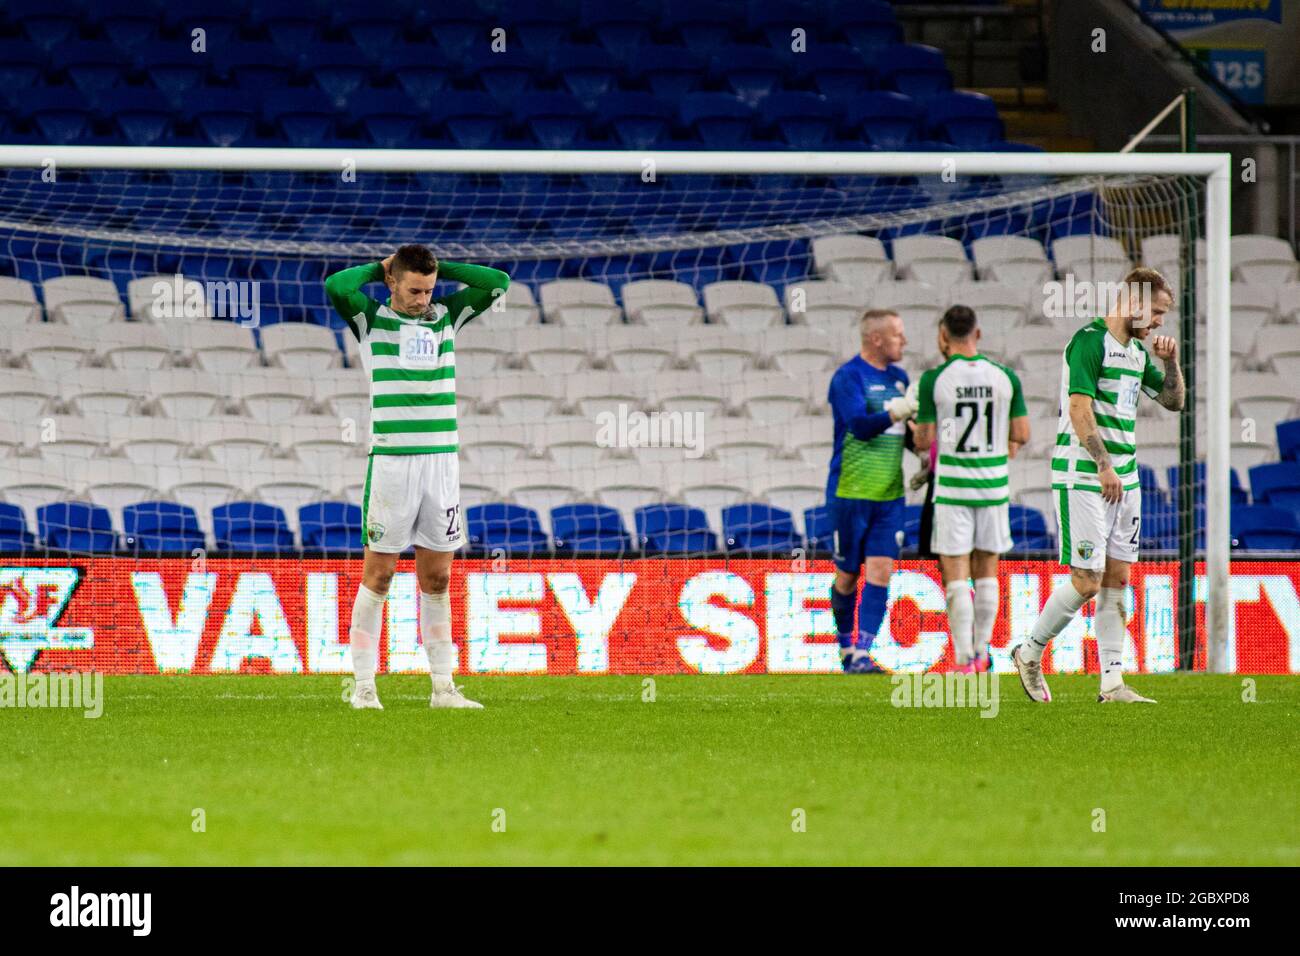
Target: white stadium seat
{"points": [[630, 350], [1263, 260], [718, 352], [201, 485], [82, 300], [687, 392], [824, 304], [186, 394], [18, 305], [105, 391], [148, 440], [515, 309], [51, 351], [1069, 252], [591, 393], [301, 347], [67, 437], [318, 441], [130, 346], [579, 303], [269, 394], [343, 392], [236, 443], [113, 483], [523, 396], [32, 482], [935, 260], [1025, 254], [25, 394], [215, 347], [159, 299], [555, 350], [743, 306], [856, 261], [661, 302], [771, 397], [543, 486], [799, 351], [917, 303]]}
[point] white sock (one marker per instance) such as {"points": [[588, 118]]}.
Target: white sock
{"points": [[367, 622], [986, 612], [1057, 613], [961, 618], [435, 631], [1109, 625]]}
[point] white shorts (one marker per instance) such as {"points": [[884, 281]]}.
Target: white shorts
{"points": [[961, 529], [412, 500], [1093, 529]]}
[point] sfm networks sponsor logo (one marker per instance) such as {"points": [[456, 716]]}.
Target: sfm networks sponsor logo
{"points": [[632, 428], [952, 689], [73, 690], [133, 910]]}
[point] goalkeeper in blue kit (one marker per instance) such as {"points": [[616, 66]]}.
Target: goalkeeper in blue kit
{"points": [[864, 492]]}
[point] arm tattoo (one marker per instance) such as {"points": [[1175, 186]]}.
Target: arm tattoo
{"points": [[1097, 449], [1173, 394]]}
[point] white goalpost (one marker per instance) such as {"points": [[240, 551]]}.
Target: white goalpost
{"points": [[1211, 169]]}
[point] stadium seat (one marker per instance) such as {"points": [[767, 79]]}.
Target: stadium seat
{"points": [[579, 303], [470, 120], [589, 529], [251, 527], [1263, 260], [750, 72], [719, 120], [76, 526], [869, 25], [330, 526], [14, 536], [637, 120], [937, 261], [754, 529], [1265, 528], [511, 528], [1277, 485], [699, 26], [743, 306], [836, 71], [859, 262], [81, 300], [804, 120], [1288, 440], [885, 119], [555, 120], [670, 72], [967, 120], [660, 302], [1159, 525], [819, 530], [1029, 529], [160, 527], [674, 529], [917, 70]]}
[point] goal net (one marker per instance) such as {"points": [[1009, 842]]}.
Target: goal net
{"points": [[654, 382]]}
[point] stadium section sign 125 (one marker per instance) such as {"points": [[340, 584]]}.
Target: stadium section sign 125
{"points": [[647, 616]]}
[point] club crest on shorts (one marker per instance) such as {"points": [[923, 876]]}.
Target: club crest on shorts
{"points": [[1085, 549], [374, 532]]}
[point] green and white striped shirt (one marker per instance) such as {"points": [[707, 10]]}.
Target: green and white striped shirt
{"points": [[411, 360], [972, 400], [1112, 375]]}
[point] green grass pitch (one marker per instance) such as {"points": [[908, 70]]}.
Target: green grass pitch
{"points": [[581, 770]]}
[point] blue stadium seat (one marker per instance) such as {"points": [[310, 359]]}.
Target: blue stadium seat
{"points": [[1277, 484], [421, 79], [720, 120], [294, 31], [342, 80], [819, 528], [21, 65], [621, 29], [914, 69], [14, 536], [511, 528], [540, 25], [669, 72], [836, 71], [221, 23], [804, 120], [76, 526], [968, 120], [61, 113], [375, 33], [1288, 440], [161, 527], [555, 120], [142, 115], [759, 529], [330, 526], [1029, 529], [172, 69], [91, 65], [126, 23], [589, 529], [1237, 494], [674, 529], [471, 120], [504, 75], [303, 115], [1159, 525], [588, 72], [1150, 485], [887, 120], [45, 25], [1264, 528], [225, 117], [868, 25], [252, 527], [751, 72], [252, 67], [697, 26], [637, 120]]}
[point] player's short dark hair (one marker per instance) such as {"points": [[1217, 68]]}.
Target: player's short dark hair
{"points": [[959, 321], [414, 258]]}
